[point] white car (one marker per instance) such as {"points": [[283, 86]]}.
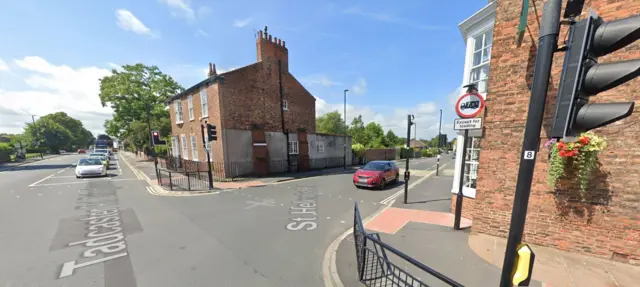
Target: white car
{"points": [[90, 166]]}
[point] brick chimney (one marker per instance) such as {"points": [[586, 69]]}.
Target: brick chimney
{"points": [[271, 48], [212, 70]]}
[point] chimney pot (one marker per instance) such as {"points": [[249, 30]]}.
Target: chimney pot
{"points": [[270, 38], [260, 34], [275, 40], [279, 42], [284, 44]]}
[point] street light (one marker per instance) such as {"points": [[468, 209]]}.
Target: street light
{"points": [[345, 127], [439, 144]]}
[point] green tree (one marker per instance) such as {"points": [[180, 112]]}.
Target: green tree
{"points": [[128, 92], [357, 132], [392, 139], [80, 137], [330, 123], [49, 133], [375, 134]]}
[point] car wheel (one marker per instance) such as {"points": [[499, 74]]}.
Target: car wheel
{"points": [[383, 183]]}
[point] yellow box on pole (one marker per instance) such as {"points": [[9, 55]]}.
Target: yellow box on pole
{"points": [[523, 268]]}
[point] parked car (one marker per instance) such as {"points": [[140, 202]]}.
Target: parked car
{"points": [[102, 157], [103, 151], [376, 174], [81, 151], [90, 166]]}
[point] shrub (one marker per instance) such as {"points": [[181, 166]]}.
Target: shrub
{"points": [[358, 149], [6, 147], [161, 151]]}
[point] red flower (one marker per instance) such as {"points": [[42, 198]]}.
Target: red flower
{"points": [[561, 145], [584, 140]]}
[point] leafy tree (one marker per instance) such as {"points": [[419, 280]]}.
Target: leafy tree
{"points": [[80, 137], [357, 132], [330, 123], [47, 132], [128, 92], [392, 139], [375, 134]]}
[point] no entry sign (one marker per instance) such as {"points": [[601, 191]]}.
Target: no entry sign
{"points": [[469, 105]]}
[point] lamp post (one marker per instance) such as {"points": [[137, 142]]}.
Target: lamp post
{"points": [[439, 144], [345, 127]]}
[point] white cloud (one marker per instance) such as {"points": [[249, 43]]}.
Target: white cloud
{"points": [[115, 66], [360, 87], [202, 33], [453, 97], [53, 88], [389, 18], [3, 66], [319, 79], [241, 23], [128, 22], [181, 7]]}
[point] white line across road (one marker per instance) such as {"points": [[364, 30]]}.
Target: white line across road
{"points": [[389, 199], [39, 181], [84, 181]]}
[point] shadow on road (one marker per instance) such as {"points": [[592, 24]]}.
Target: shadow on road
{"points": [[431, 200], [36, 167]]}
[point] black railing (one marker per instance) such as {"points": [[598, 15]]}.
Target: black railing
{"points": [[187, 180], [376, 269], [327, 162]]}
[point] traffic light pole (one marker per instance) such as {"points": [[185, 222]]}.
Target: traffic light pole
{"points": [[204, 144], [406, 170], [153, 151], [439, 144], [547, 45]]}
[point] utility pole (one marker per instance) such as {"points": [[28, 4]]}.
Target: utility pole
{"points": [[547, 45], [345, 126], [406, 170], [33, 119], [153, 152], [439, 140]]}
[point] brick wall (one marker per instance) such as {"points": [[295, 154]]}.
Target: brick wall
{"points": [[612, 225], [380, 154], [252, 94], [192, 127]]}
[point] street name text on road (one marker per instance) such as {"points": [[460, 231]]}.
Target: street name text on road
{"points": [[304, 213], [467, 124]]}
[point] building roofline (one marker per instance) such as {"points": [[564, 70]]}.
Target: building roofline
{"points": [[477, 17], [210, 80]]}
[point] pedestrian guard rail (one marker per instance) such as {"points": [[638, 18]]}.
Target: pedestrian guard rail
{"points": [[376, 269]]}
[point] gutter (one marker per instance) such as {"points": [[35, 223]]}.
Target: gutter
{"points": [[286, 132]]}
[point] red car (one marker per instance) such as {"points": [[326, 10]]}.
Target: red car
{"points": [[376, 174], [81, 151]]}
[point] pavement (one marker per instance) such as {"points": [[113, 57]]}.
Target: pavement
{"points": [[423, 229], [112, 231], [5, 166]]}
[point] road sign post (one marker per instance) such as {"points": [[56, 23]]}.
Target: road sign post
{"points": [[468, 107]]}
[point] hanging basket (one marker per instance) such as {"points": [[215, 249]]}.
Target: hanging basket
{"points": [[581, 156]]}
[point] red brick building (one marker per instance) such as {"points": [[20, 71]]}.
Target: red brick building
{"points": [[263, 96], [605, 222]]}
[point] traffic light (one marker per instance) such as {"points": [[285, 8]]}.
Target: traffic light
{"points": [[442, 141], [155, 135], [212, 133], [583, 77]]}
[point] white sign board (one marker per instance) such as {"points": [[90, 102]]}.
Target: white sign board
{"points": [[467, 124]]}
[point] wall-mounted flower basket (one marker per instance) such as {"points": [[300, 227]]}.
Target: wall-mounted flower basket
{"points": [[582, 156]]}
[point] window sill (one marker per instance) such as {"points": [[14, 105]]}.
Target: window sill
{"points": [[179, 122], [191, 120], [204, 117]]}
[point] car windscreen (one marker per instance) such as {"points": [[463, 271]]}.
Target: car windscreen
{"points": [[89, 161], [100, 151], [100, 155], [379, 166]]}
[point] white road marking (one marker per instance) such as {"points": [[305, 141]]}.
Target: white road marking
{"points": [[78, 182], [39, 181], [401, 190]]}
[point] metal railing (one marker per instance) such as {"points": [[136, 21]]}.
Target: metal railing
{"points": [[187, 180], [376, 269]]}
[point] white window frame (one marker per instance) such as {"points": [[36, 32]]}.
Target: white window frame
{"points": [[194, 147], [185, 147], [204, 103], [285, 105], [293, 147], [175, 146], [190, 107], [320, 147], [471, 164], [482, 81], [177, 107]]}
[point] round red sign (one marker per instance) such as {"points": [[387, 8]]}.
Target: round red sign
{"points": [[469, 105]]}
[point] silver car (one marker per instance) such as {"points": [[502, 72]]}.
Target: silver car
{"points": [[90, 167]]}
